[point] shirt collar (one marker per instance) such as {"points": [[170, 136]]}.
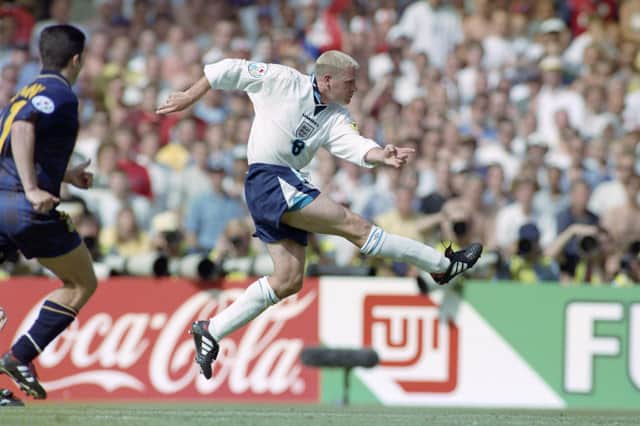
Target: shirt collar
{"points": [[317, 98], [53, 74]]}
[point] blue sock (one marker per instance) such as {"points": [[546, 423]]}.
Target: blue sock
{"points": [[51, 321]]}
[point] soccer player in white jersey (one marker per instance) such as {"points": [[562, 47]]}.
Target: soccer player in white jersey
{"points": [[295, 115]]}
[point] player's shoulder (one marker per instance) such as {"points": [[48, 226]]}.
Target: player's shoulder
{"points": [[291, 76], [280, 80], [53, 85], [260, 70], [48, 94], [285, 69], [338, 117], [339, 113]]}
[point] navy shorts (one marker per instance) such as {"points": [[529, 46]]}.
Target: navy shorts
{"points": [[272, 191], [34, 234]]}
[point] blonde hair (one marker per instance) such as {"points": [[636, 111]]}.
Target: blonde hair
{"points": [[334, 62]]}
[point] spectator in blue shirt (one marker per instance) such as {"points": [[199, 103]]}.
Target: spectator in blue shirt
{"points": [[209, 213]]}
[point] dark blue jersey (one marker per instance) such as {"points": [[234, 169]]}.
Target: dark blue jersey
{"points": [[50, 104]]}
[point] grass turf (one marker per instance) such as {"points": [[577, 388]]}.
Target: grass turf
{"points": [[284, 415]]}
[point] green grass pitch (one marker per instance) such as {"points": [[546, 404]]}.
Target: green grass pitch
{"points": [[176, 414]]}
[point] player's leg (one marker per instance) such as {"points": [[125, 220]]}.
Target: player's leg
{"points": [[325, 216], [288, 260], [75, 269], [7, 398]]}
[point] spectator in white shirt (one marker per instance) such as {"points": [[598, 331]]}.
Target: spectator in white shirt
{"points": [[497, 46], [434, 27], [521, 211], [107, 203], [554, 97], [612, 193]]}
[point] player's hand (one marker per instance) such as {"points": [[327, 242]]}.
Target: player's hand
{"points": [[41, 200], [79, 177], [177, 101], [396, 156]]}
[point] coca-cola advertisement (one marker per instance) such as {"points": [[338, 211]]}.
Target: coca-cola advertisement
{"points": [[131, 342]]}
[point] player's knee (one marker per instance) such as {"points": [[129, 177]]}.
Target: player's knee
{"points": [[90, 285], [291, 284], [85, 286], [291, 287]]}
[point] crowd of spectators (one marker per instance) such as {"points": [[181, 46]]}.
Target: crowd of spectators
{"points": [[525, 116]]}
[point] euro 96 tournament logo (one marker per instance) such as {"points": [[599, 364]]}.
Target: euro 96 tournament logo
{"points": [[417, 348]]}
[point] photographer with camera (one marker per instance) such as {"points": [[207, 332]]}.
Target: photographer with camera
{"points": [[520, 212], [529, 264], [577, 240], [629, 274], [584, 252], [463, 218], [235, 241], [622, 222]]}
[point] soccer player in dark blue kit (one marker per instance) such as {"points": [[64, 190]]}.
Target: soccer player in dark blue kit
{"points": [[38, 131]]}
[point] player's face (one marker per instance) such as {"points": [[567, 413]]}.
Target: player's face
{"points": [[345, 86]]}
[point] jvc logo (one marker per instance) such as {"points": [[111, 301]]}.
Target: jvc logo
{"points": [[417, 348]]}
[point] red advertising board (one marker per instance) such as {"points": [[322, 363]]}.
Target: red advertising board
{"points": [[408, 334], [131, 342]]}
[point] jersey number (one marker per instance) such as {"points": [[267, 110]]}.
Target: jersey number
{"points": [[8, 121], [297, 146]]}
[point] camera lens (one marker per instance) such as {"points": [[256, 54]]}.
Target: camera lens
{"points": [[624, 262], [90, 241], [588, 244], [172, 237], [460, 228], [524, 246], [634, 248]]}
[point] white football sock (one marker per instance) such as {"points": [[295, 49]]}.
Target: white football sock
{"points": [[255, 299], [402, 249]]}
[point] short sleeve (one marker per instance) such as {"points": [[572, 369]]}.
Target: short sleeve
{"points": [[345, 141], [29, 109], [251, 77]]}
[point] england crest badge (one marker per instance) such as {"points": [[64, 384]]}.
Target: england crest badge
{"points": [[306, 128]]}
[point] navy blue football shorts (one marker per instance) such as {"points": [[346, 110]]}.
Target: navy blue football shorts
{"points": [[270, 192], [36, 235]]}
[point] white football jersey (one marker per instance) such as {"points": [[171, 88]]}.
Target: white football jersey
{"points": [[290, 123]]}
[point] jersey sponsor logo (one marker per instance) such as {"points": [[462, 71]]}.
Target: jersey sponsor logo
{"points": [[257, 69], [43, 104], [307, 127]]}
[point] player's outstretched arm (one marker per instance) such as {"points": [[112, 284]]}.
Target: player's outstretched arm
{"points": [[390, 155], [178, 101], [23, 141]]}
